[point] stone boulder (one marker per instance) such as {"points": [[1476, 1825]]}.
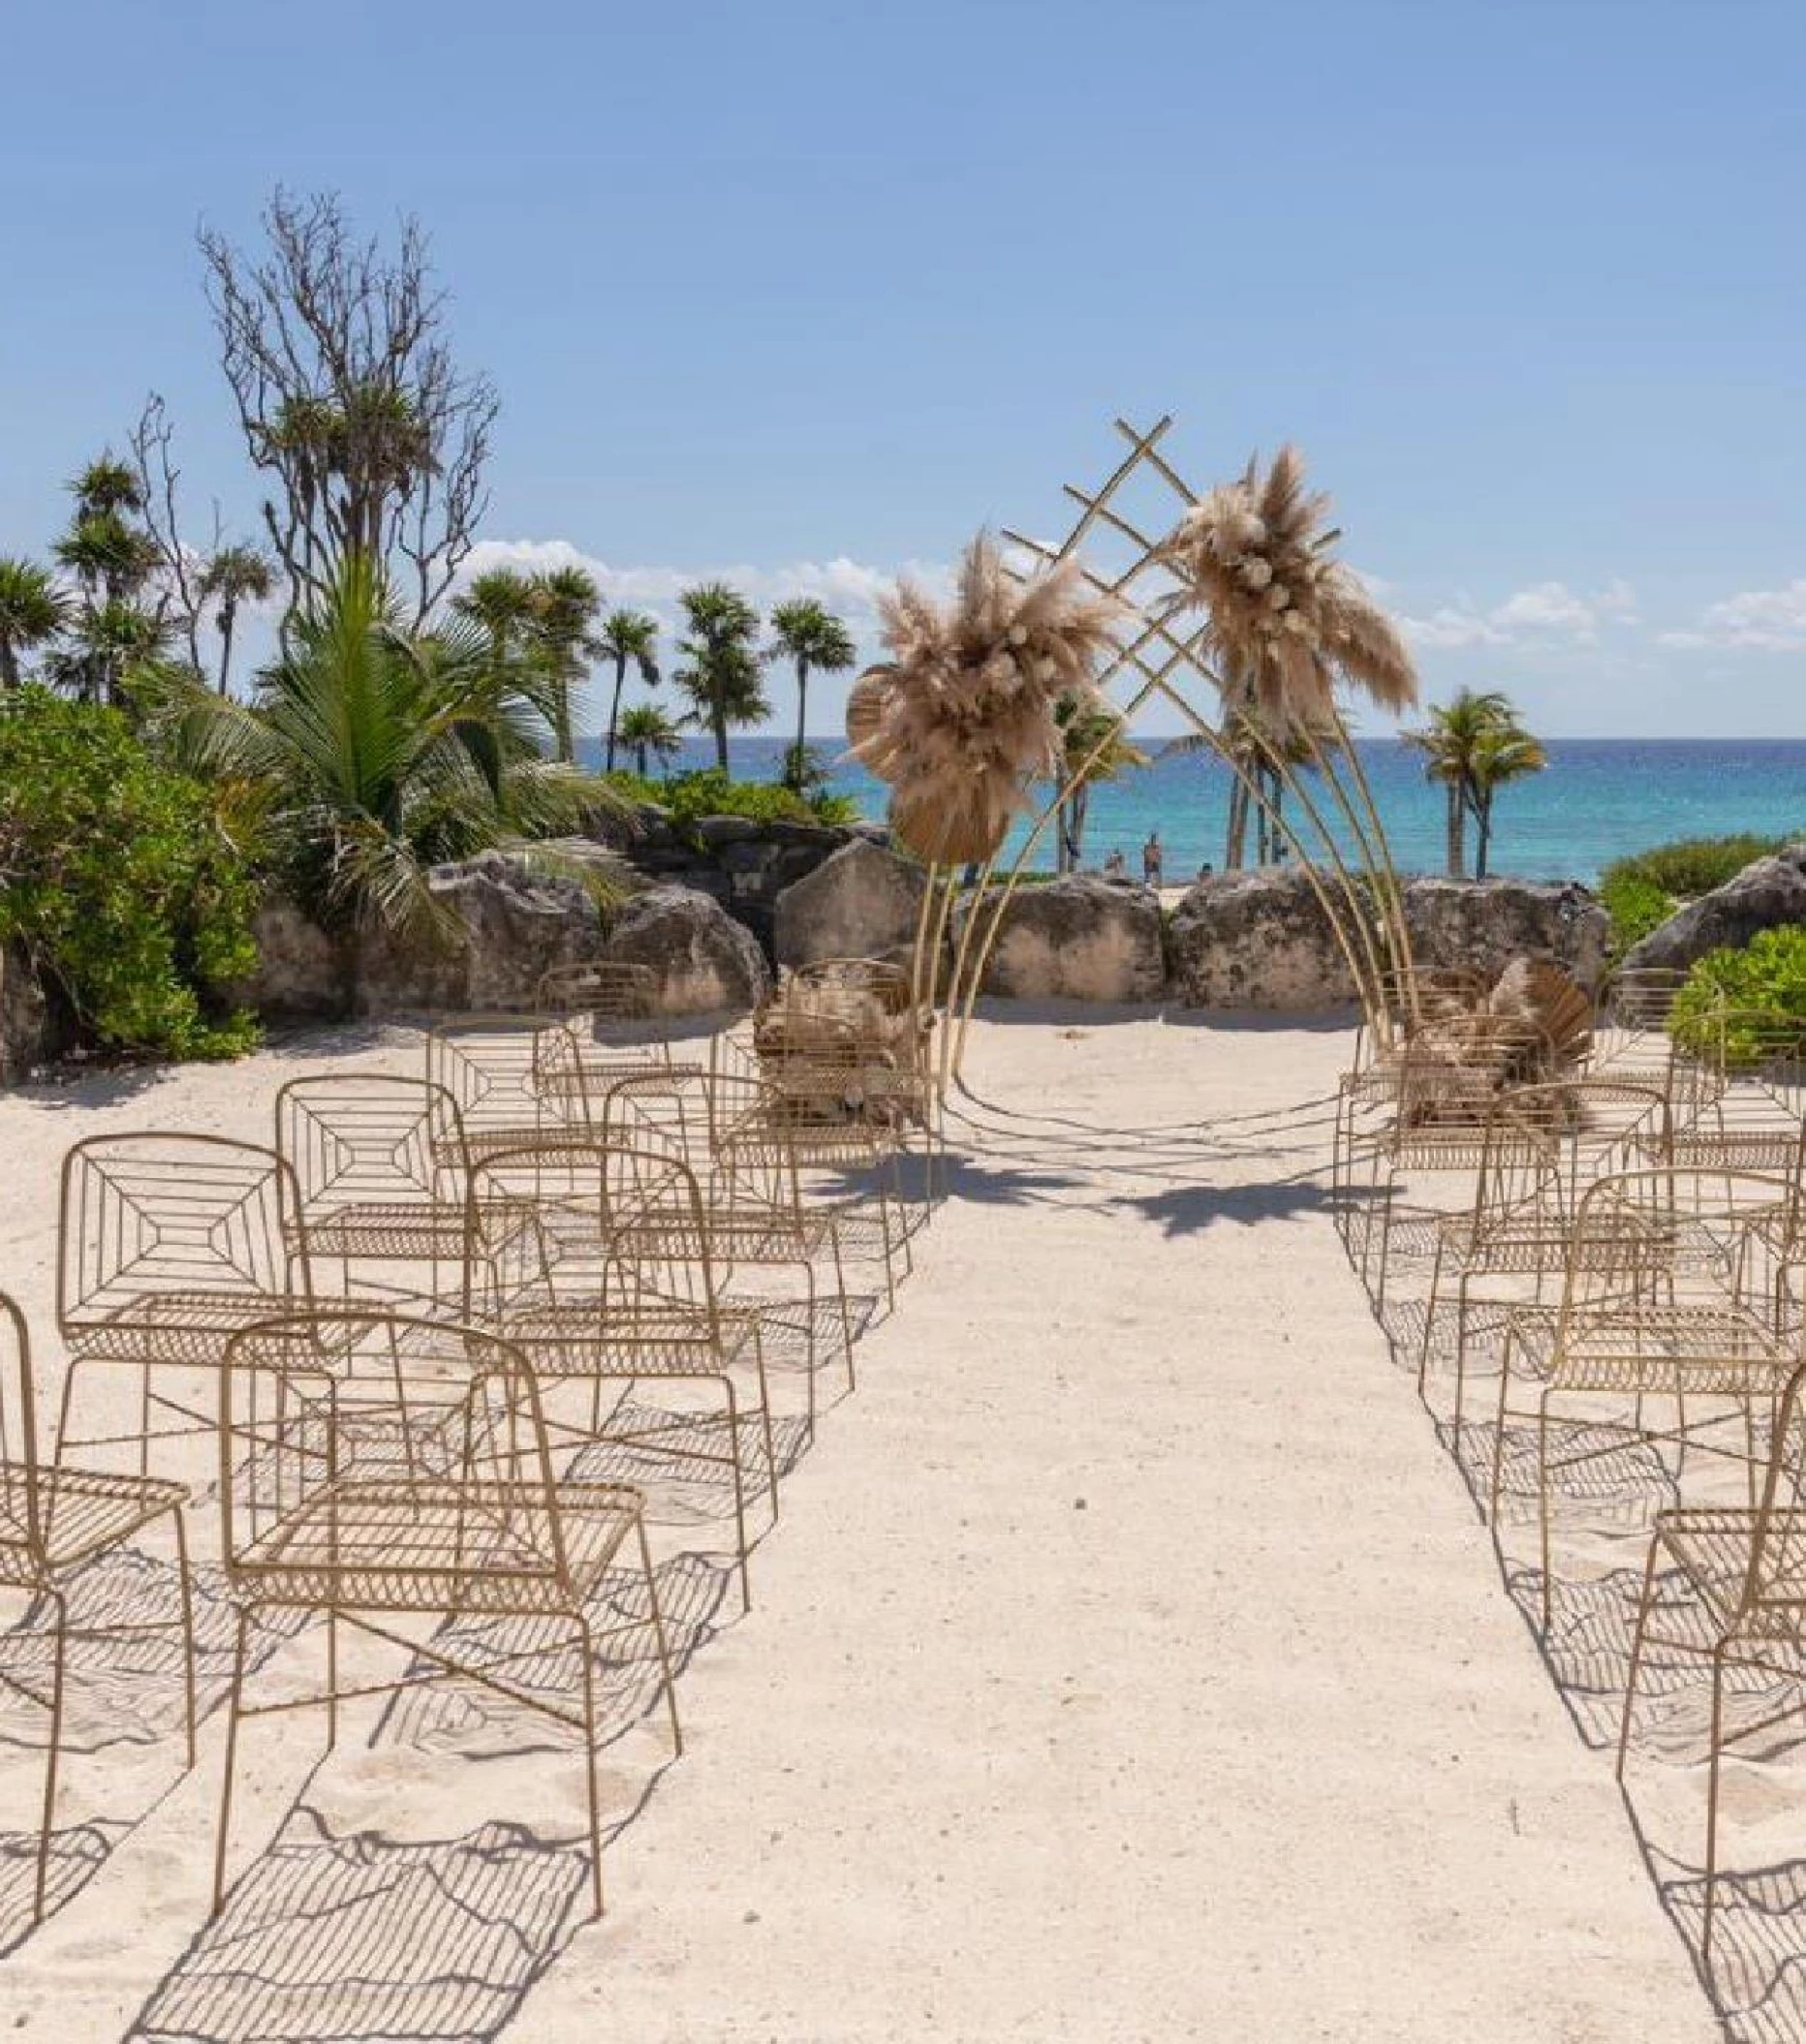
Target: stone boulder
{"points": [[1486, 923], [511, 923], [298, 974], [1081, 937], [705, 961], [861, 902], [1766, 894], [1263, 939]]}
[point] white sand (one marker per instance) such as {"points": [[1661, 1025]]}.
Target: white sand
{"points": [[1129, 1664]]}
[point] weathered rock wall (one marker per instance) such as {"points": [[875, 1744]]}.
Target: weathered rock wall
{"points": [[1765, 895]]}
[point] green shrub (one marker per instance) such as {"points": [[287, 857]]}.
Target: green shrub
{"points": [[1753, 1000], [710, 792], [117, 879], [1692, 866], [1636, 905]]}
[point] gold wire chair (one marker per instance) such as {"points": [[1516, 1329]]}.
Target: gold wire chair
{"points": [[616, 1284], [1656, 1305], [1543, 1148], [54, 1521], [1750, 1111], [616, 992], [375, 1466], [1744, 1571], [381, 1168], [168, 1244]]}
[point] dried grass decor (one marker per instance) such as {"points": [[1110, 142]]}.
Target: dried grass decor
{"points": [[1284, 620], [1533, 1027], [835, 1050], [959, 721]]}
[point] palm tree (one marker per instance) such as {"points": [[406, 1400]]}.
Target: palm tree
{"points": [[1450, 747], [564, 607], [382, 752], [107, 487], [503, 602], [108, 646], [109, 558], [1084, 727], [814, 639], [650, 732], [233, 575], [723, 677], [628, 638], [32, 612], [1506, 753]]}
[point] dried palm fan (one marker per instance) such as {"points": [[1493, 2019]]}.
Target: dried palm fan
{"points": [[1537, 994], [1531, 1028], [1284, 620], [960, 720]]}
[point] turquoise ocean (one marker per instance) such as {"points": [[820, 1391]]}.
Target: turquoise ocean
{"points": [[1599, 800]]}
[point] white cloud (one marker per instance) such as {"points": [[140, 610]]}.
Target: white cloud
{"points": [[1541, 614], [1768, 620]]}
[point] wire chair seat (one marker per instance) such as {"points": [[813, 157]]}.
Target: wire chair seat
{"points": [[382, 1544], [1695, 1349], [174, 1328], [1745, 1149], [81, 1512], [1711, 1548], [566, 1333], [402, 1230]]}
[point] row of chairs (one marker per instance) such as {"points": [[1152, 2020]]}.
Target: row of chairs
{"points": [[411, 1330], [1628, 1243]]}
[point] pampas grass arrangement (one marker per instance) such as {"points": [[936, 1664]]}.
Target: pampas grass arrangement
{"points": [[1284, 620], [960, 720]]}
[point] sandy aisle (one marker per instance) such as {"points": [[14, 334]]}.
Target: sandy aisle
{"points": [[1129, 1662]]}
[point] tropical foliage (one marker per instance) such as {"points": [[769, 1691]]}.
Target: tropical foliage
{"points": [[1475, 746], [814, 641], [378, 752], [721, 671], [1093, 747], [710, 792], [630, 638], [1747, 1006], [648, 733], [1642, 891], [117, 880]]}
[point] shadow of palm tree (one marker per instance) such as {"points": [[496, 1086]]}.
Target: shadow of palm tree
{"points": [[1189, 1210]]}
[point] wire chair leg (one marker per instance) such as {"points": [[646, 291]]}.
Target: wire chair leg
{"points": [[234, 1706], [46, 1823], [186, 1582], [657, 1634], [1637, 1653]]}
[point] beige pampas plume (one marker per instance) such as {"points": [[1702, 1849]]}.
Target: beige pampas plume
{"points": [[961, 718], [1285, 621]]}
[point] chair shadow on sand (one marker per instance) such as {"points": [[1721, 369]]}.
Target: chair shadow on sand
{"points": [[1603, 1506]]}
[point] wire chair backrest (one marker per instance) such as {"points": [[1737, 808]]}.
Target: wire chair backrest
{"points": [[883, 980], [148, 1216], [1773, 1602], [490, 1066], [383, 1460], [601, 987], [1671, 1237], [21, 1491], [357, 1138]]}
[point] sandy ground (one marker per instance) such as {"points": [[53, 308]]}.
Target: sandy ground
{"points": [[1129, 1663]]}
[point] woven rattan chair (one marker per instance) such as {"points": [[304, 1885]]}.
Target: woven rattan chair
{"points": [[380, 1167], [1744, 1572], [618, 1284], [168, 1244], [54, 1521], [376, 1469], [1659, 1305]]}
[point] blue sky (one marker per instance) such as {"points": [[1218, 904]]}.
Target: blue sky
{"points": [[813, 291]]}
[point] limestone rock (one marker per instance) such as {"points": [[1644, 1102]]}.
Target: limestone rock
{"points": [[1766, 894], [1080, 937], [704, 960], [297, 971], [861, 902]]}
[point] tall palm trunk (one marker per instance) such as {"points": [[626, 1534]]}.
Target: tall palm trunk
{"points": [[1457, 831], [803, 703], [1482, 833], [228, 616], [1237, 843], [614, 716], [720, 724], [9, 663]]}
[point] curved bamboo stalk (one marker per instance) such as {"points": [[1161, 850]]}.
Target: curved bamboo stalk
{"points": [[1406, 955]]}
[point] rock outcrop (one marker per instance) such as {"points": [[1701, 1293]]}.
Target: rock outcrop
{"points": [[1081, 937], [299, 974], [861, 902], [35, 1029], [705, 961], [1263, 939], [509, 924], [1766, 894]]}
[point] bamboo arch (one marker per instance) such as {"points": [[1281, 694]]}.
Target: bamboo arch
{"points": [[1362, 902]]}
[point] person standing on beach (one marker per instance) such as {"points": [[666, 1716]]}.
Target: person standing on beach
{"points": [[1151, 856]]}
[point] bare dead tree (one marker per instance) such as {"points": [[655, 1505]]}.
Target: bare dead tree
{"points": [[350, 399], [180, 569]]}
